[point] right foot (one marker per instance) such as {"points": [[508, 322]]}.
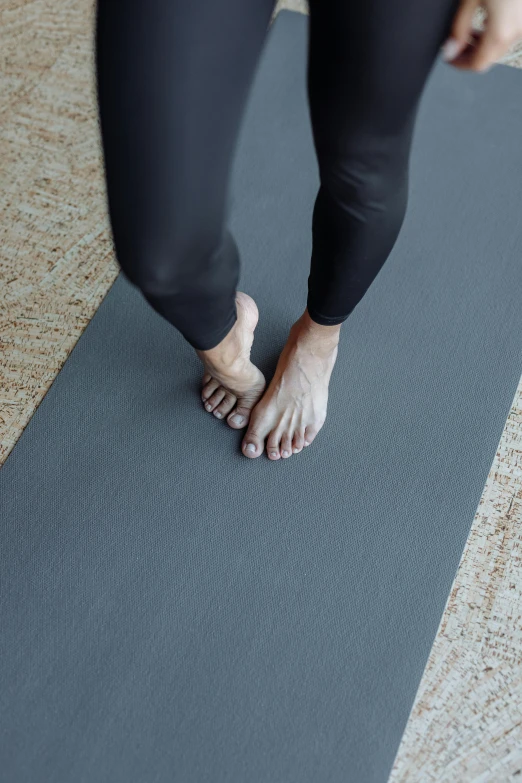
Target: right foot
{"points": [[293, 408], [232, 385]]}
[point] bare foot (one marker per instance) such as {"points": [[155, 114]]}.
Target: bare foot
{"points": [[293, 408], [232, 385]]}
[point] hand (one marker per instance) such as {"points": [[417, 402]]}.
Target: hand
{"points": [[469, 49]]}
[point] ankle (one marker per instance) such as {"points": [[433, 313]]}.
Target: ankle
{"points": [[228, 357], [306, 328]]}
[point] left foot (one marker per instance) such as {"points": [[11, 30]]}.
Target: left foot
{"points": [[293, 408], [232, 385]]}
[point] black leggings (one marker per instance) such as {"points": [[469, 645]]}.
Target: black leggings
{"points": [[172, 81]]}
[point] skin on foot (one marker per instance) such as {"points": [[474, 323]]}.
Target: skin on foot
{"points": [[293, 408], [232, 385]]}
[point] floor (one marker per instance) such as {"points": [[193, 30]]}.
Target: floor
{"points": [[57, 264]]}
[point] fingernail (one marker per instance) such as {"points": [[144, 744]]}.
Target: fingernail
{"points": [[451, 49], [239, 420], [250, 447]]}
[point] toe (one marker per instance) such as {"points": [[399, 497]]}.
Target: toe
{"points": [[272, 445], [239, 417], [252, 444], [255, 437], [258, 428], [215, 399], [298, 442], [225, 406], [286, 445], [252, 448], [310, 434], [209, 389]]}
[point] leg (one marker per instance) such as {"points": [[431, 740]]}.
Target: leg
{"points": [[368, 63], [172, 81]]}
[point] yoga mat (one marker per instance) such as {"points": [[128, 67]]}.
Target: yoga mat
{"points": [[171, 611]]}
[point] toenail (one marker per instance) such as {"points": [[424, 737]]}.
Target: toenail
{"points": [[286, 454], [237, 419], [306, 443], [250, 447], [273, 453], [208, 406], [217, 415]]}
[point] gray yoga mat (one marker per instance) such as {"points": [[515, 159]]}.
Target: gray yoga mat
{"points": [[171, 611]]}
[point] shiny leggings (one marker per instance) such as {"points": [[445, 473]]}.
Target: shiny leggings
{"points": [[172, 81]]}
